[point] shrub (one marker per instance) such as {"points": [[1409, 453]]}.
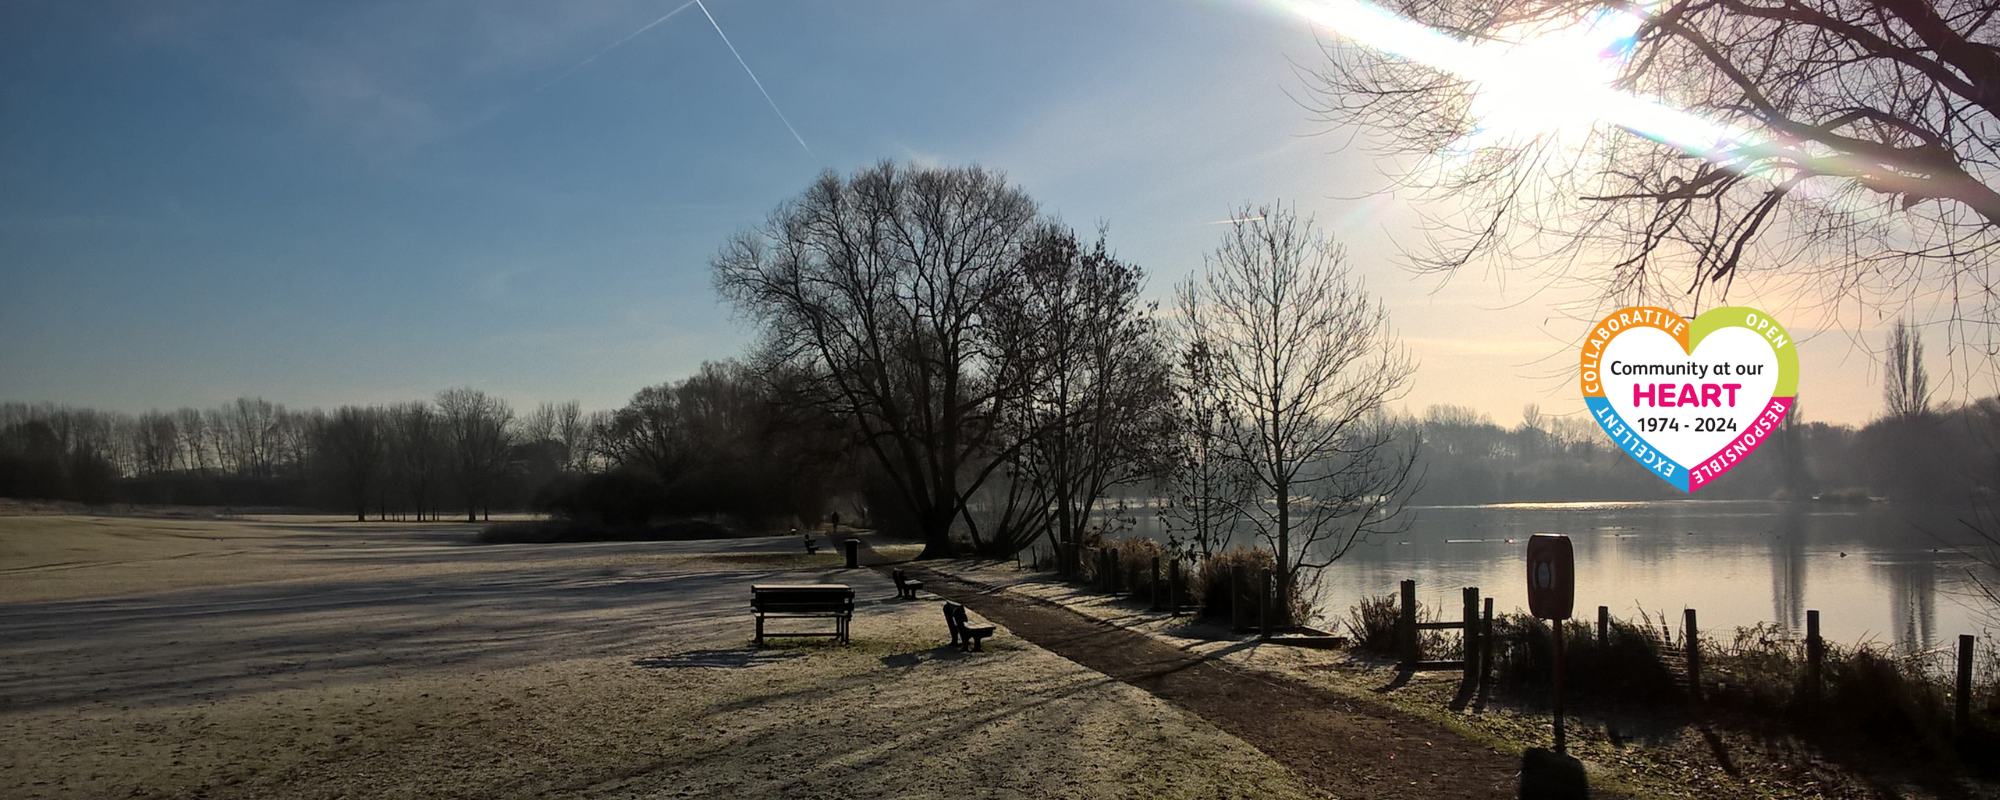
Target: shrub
{"points": [[1372, 623], [1871, 697], [1090, 541], [1887, 698], [1214, 576], [1135, 566], [1633, 665]]}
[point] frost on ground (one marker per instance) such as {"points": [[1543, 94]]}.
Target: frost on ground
{"points": [[1645, 753], [315, 658]]}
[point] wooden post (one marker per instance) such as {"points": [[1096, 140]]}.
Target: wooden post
{"points": [[1693, 645], [1815, 655], [1603, 627], [1174, 586], [1264, 603], [1239, 611], [1470, 641], [1112, 568], [1562, 737], [1406, 625], [1153, 588], [1486, 643], [1962, 696]]}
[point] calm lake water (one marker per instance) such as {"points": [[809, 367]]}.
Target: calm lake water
{"points": [[1736, 563]]}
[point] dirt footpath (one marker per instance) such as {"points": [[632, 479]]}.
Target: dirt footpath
{"points": [[1337, 745]]}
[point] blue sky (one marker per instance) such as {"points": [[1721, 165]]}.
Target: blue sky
{"points": [[327, 203]]}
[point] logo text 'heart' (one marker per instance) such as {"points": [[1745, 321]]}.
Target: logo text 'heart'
{"points": [[1689, 399]]}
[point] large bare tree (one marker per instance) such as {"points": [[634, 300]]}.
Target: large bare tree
{"points": [[477, 429], [876, 289], [1093, 410], [416, 453], [1849, 148], [1305, 360], [353, 441]]}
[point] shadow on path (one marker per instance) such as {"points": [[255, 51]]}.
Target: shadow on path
{"points": [[1339, 745]]}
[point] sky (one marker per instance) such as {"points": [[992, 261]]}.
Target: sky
{"points": [[367, 202]]}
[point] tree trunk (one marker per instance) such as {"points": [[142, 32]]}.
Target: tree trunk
{"points": [[937, 532]]}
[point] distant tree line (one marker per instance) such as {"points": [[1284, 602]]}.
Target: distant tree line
{"points": [[719, 442], [463, 450], [1929, 455]]}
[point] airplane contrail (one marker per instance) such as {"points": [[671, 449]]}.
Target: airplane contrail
{"points": [[753, 78], [1235, 219], [614, 45]]}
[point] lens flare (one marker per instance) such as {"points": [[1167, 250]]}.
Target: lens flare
{"points": [[1531, 81]]}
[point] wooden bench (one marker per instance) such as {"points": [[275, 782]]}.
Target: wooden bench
{"points": [[834, 600], [812, 547], [963, 634], [906, 589]]}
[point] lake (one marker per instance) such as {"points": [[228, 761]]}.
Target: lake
{"points": [[1871, 570]]}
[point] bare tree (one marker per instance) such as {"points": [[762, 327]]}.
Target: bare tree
{"points": [[1205, 487], [566, 427], [1305, 359], [478, 433], [297, 446], [192, 426], [1847, 147], [353, 442], [1093, 410], [254, 438], [876, 290], [1906, 392], [652, 436], [417, 454], [157, 443]]}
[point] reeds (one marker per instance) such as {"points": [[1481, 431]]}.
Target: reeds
{"points": [[1868, 695]]}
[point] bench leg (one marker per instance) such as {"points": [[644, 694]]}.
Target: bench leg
{"points": [[760, 631]]}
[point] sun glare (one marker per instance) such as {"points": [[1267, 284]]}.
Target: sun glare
{"points": [[1530, 81]]}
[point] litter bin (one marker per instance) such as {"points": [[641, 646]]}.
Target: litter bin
{"points": [[853, 547]]}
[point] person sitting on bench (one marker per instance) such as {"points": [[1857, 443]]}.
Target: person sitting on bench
{"points": [[811, 546]]}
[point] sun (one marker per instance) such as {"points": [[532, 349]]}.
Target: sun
{"points": [[1529, 81]]}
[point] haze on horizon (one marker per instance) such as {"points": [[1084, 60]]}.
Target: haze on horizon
{"points": [[365, 204]]}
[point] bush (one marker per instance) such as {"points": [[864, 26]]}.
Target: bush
{"points": [[1871, 697], [1632, 665], [1372, 623], [1888, 699], [1135, 566], [1214, 576]]}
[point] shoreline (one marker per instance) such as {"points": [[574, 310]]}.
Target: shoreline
{"points": [[1643, 752]]}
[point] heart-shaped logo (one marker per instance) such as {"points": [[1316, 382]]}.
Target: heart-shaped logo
{"points": [[1689, 399]]}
